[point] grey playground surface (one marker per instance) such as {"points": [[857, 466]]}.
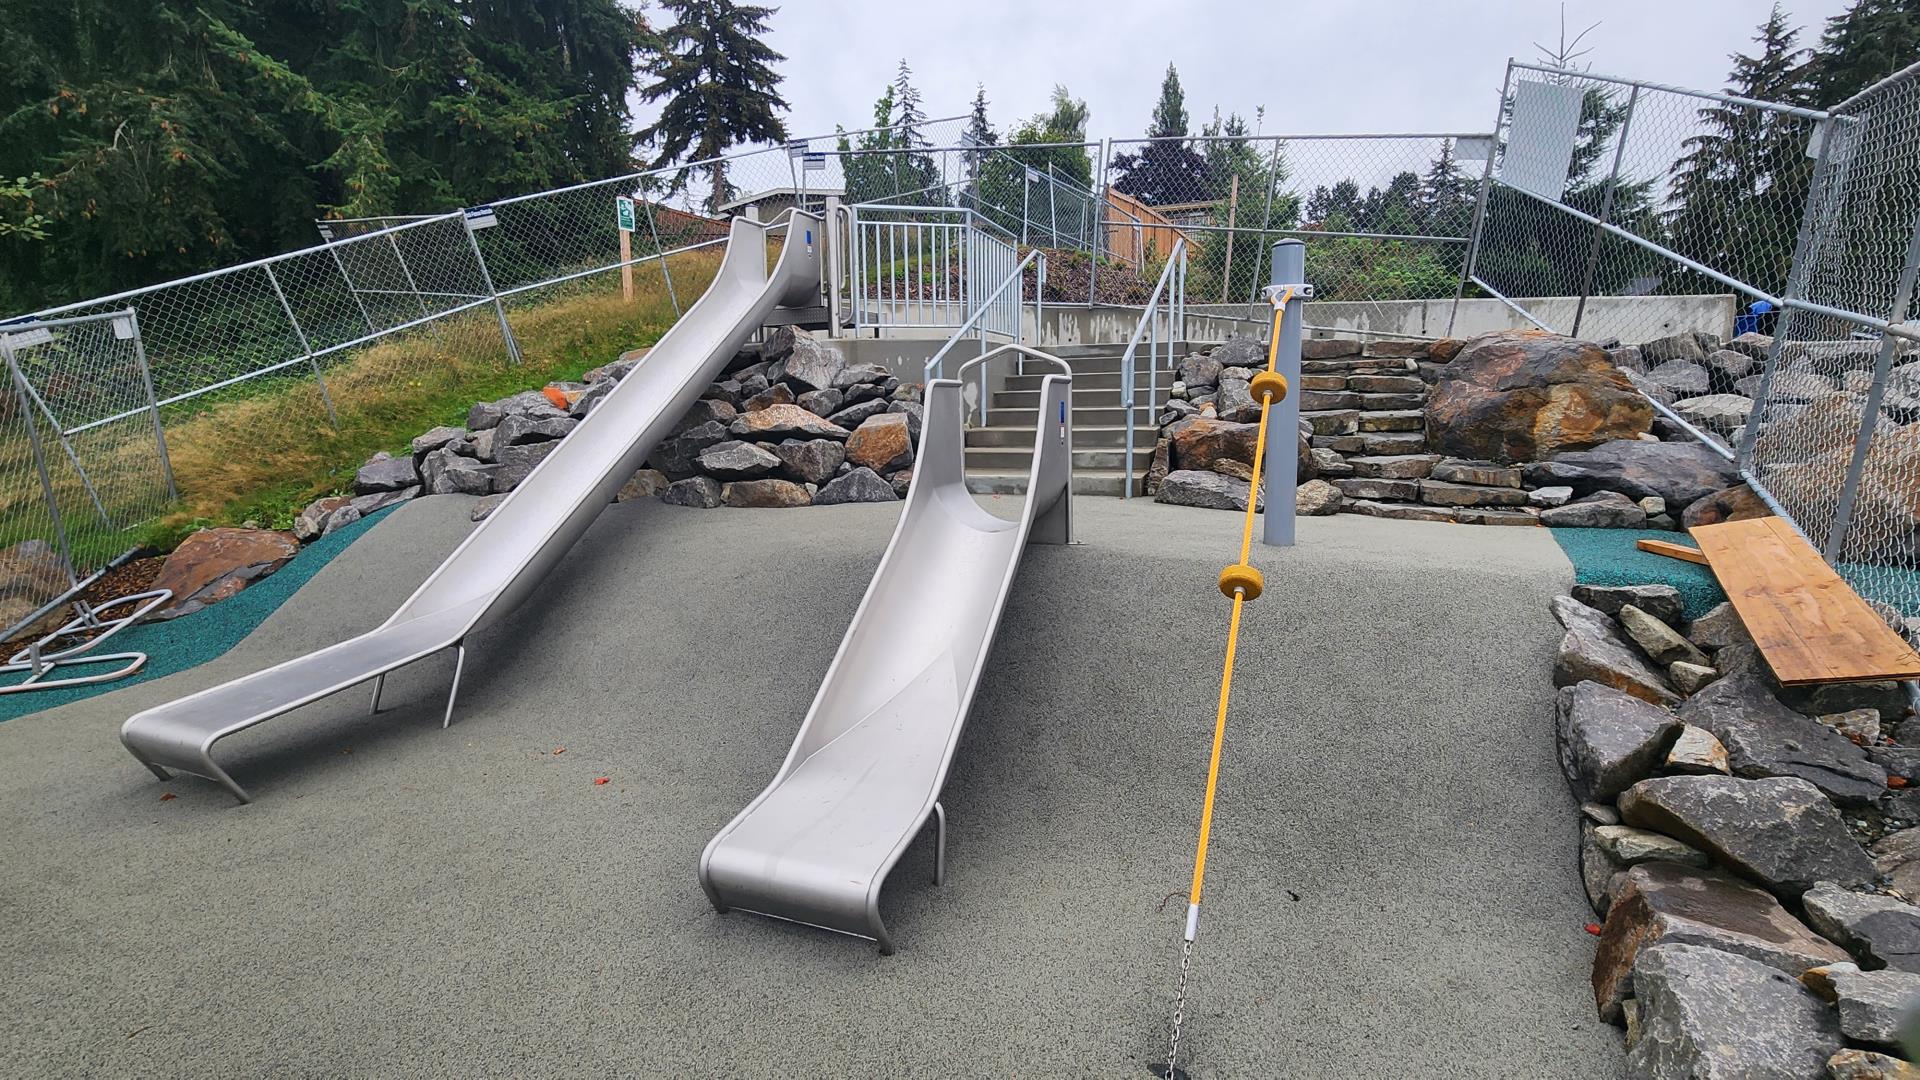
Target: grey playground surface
{"points": [[1392, 889]]}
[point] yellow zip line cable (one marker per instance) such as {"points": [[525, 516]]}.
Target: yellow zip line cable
{"points": [[1243, 583]]}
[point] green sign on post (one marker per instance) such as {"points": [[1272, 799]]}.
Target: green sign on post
{"points": [[623, 208]]}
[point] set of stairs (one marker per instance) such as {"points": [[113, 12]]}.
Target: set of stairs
{"points": [[1000, 453]]}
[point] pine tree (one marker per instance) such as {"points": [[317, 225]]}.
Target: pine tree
{"points": [[1167, 169], [719, 84], [1864, 44], [1064, 122], [909, 117], [979, 133], [1446, 196], [1740, 185]]}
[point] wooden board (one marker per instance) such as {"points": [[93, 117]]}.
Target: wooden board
{"points": [[1807, 622], [1672, 551]]}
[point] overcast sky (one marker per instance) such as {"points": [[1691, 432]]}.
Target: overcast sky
{"points": [[1352, 66]]}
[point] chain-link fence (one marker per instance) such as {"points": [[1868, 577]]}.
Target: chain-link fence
{"points": [[1631, 210], [1834, 438]]}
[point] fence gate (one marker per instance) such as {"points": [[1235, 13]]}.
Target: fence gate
{"points": [[83, 451]]}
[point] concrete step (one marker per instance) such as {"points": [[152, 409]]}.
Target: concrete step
{"points": [[1014, 459], [1082, 398], [1113, 416], [1073, 354], [1094, 380], [1087, 436], [1085, 481]]}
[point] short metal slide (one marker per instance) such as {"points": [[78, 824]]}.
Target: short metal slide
{"points": [[504, 559], [865, 773]]}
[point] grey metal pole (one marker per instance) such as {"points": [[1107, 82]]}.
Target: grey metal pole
{"points": [[1870, 412], [486, 278], [40, 463], [407, 272], [1281, 469], [153, 403], [1026, 182], [1053, 215], [1099, 224], [1606, 212], [307, 348], [1471, 257]]}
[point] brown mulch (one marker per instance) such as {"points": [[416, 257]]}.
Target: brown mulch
{"points": [[132, 576]]}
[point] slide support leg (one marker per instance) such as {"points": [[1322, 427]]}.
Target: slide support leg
{"points": [[459, 665]]}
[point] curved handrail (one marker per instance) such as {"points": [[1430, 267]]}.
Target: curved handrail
{"points": [[1176, 258], [1019, 271], [1013, 346]]}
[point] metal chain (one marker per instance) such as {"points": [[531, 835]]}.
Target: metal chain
{"points": [[1179, 1008]]}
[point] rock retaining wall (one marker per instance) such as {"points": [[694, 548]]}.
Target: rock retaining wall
{"points": [[1751, 849]]}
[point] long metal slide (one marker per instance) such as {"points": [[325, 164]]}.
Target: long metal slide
{"points": [[502, 561], [865, 773]]}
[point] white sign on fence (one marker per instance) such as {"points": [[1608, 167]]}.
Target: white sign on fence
{"points": [[1546, 118], [480, 217]]}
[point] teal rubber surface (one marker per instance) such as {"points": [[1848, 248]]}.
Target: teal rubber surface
{"points": [[192, 640], [1608, 557]]}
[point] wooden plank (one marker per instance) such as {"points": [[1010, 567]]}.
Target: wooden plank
{"points": [[1807, 622], [1672, 551]]}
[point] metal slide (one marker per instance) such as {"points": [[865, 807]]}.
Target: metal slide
{"points": [[504, 559], [866, 770]]}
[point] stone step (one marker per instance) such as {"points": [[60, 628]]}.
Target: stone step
{"points": [[1374, 442], [1085, 481], [1015, 459], [1083, 435], [1393, 420], [1455, 515], [1082, 398], [1358, 366]]}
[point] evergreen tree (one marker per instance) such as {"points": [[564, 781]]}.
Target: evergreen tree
{"points": [[1741, 184], [1064, 122], [915, 173], [1167, 169], [719, 84], [869, 173], [909, 117], [979, 133], [1866, 43], [1446, 196]]}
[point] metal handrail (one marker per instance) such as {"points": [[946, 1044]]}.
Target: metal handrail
{"points": [[1177, 259], [1019, 271], [1014, 346]]}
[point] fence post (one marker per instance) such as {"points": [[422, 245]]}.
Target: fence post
{"points": [[1870, 411], [1606, 212], [1282, 466], [1026, 182], [1471, 257], [486, 278], [1812, 218], [153, 403], [40, 461], [305, 348], [1099, 243]]}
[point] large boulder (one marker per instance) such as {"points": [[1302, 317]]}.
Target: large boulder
{"points": [[1880, 931], [810, 461], [213, 564], [1610, 740], [764, 493], [1522, 395], [1199, 443], [777, 422], [1765, 738], [384, 472], [1593, 648], [736, 460], [883, 443], [1737, 503], [1678, 473], [1209, 489], [808, 364], [678, 455], [1660, 903], [1660, 601], [1782, 832], [860, 485], [1712, 1015]]}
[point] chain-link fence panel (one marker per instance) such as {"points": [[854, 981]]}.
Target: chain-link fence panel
{"points": [[1614, 188], [1385, 217], [84, 458], [1835, 434]]}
